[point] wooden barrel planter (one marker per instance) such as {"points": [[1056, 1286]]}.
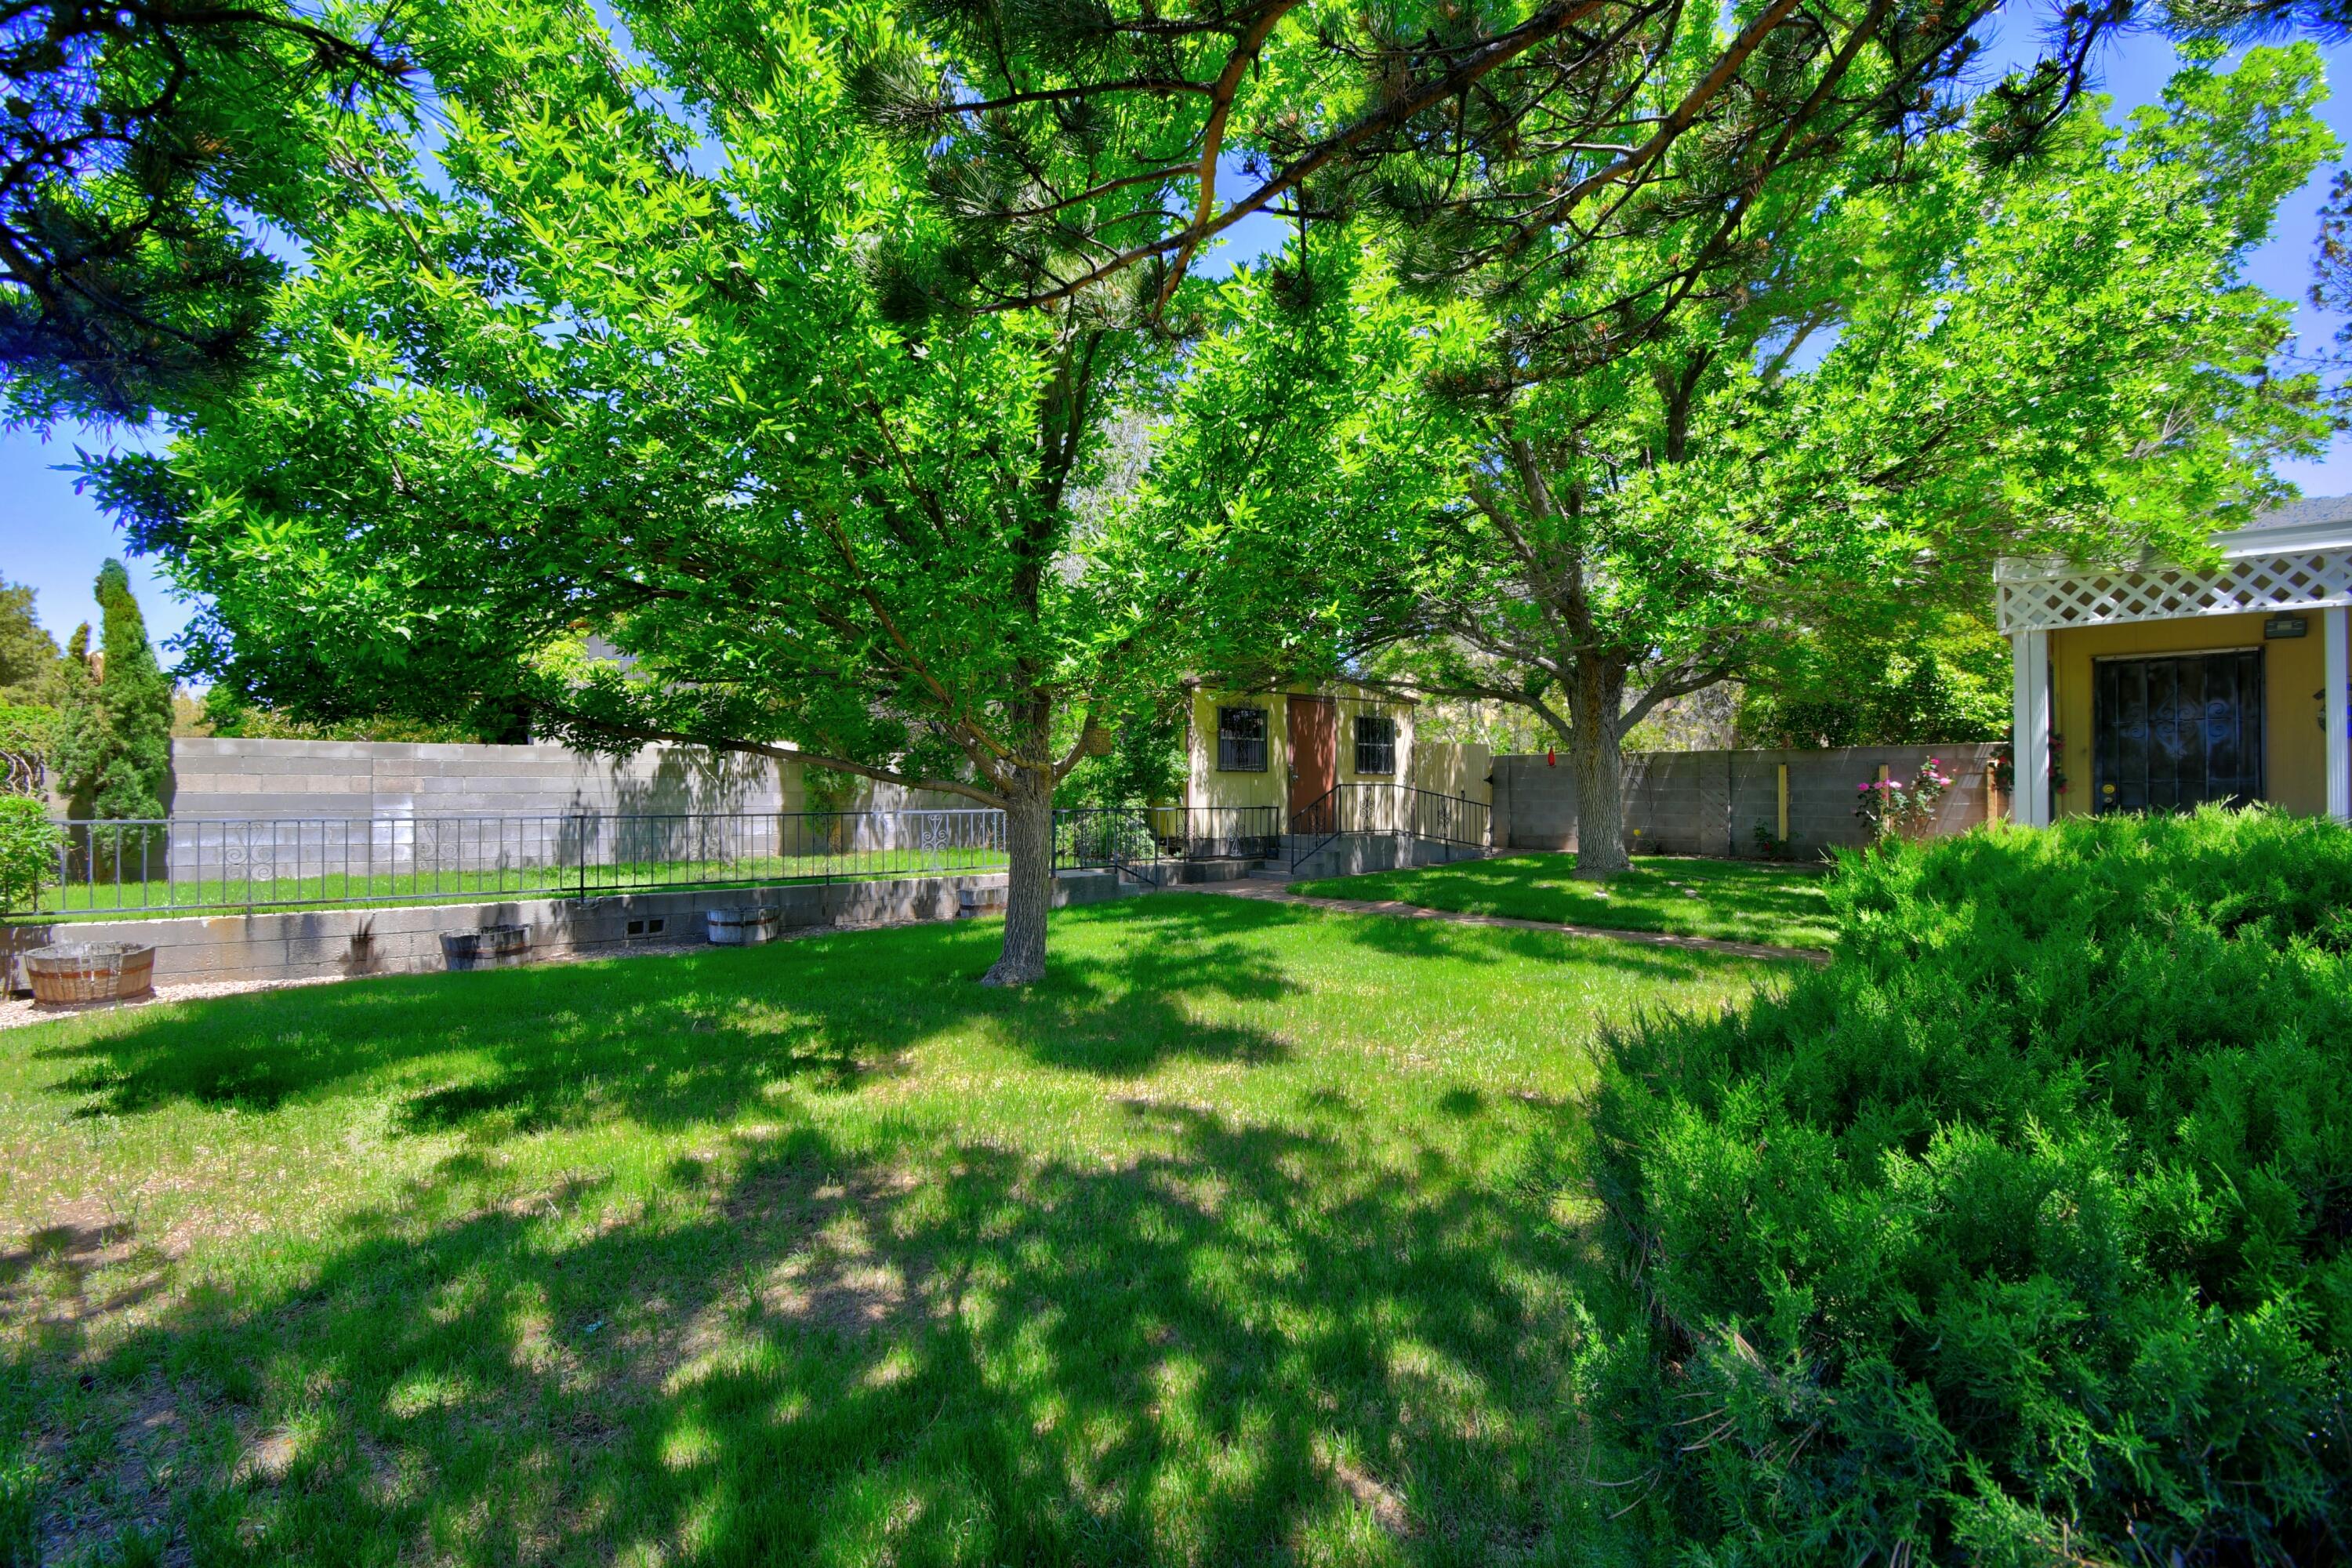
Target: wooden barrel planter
{"points": [[71, 971], [487, 948], [747, 925]]}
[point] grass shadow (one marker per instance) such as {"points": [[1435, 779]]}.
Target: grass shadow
{"points": [[1245, 1347], [695, 1038], [1405, 936], [1739, 900]]}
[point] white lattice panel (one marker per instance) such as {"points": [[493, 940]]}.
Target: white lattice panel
{"points": [[2030, 600]]}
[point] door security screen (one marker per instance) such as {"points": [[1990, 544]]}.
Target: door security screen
{"points": [[2171, 733]]}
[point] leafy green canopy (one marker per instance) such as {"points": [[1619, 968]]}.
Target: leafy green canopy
{"points": [[552, 381], [2057, 355], [1504, 130], [603, 373], [1942, 677], [2023, 1232], [28, 653], [622, 400]]}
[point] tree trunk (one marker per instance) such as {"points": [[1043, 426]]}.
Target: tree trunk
{"points": [[1028, 883], [1595, 699], [1599, 768]]}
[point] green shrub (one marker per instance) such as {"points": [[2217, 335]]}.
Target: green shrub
{"points": [[28, 850], [2021, 1233]]}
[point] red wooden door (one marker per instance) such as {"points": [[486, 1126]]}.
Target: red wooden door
{"points": [[1313, 749]]}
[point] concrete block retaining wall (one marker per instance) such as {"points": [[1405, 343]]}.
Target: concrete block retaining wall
{"points": [[358, 808], [406, 938], [247, 779], [1711, 802]]}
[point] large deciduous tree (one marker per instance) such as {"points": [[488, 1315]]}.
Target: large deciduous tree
{"points": [[28, 653], [1654, 493], [662, 347]]}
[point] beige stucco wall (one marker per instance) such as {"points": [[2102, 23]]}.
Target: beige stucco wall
{"points": [[1455, 767], [1205, 786], [2295, 749]]}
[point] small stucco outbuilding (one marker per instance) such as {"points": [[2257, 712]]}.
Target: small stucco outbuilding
{"points": [[1288, 748], [2159, 688]]}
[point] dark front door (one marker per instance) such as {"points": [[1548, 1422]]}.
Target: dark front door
{"points": [[2172, 733], [1313, 749]]}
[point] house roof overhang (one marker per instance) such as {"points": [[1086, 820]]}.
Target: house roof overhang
{"points": [[2296, 566]]}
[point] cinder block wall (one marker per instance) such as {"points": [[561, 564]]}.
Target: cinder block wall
{"points": [[1711, 802], [248, 779], [369, 807], [391, 779]]}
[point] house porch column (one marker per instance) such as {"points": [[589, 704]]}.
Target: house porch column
{"points": [[2336, 697], [2029, 798]]}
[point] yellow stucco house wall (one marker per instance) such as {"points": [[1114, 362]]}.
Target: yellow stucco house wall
{"points": [[2155, 687], [1231, 774]]}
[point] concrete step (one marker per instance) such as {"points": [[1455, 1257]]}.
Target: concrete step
{"points": [[1192, 873], [1353, 854]]}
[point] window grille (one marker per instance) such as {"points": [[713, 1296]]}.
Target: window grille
{"points": [[1240, 740], [1375, 745]]}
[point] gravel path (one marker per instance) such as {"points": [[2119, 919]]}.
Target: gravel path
{"points": [[15, 1012]]}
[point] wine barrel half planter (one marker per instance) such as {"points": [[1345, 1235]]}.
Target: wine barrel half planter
{"points": [[485, 948], [70, 973], [745, 926]]}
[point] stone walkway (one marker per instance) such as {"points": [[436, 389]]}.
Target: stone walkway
{"points": [[1272, 892]]}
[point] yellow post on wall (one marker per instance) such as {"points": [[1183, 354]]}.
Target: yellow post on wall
{"points": [[1783, 831]]}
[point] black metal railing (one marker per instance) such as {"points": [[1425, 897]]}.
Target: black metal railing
{"points": [[1117, 838], [1140, 841], [199, 864], [1216, 832], [1394, 810]]}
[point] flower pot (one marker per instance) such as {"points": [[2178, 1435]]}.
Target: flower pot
{"points": [[746, 925], [91, 971], [485, 948]]}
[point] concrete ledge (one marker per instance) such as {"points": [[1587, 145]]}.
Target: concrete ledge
{"points": [[406, 938], [1354, 854], [1196, 873]]}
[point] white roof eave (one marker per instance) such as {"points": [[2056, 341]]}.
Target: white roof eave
{"points": [[2240, 544]]}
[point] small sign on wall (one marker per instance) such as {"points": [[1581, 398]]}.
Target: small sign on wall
{"points": [[2286, 627]]}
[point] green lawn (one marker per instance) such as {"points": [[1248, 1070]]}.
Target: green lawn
{"points": [[104, 897], [1741, 900], [1255, 1234]]}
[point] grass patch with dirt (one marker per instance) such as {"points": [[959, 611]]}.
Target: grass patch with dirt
{"points": [[1239, 1238], [1736, 900]]}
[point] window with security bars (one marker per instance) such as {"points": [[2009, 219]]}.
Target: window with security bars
{"points": [[1240, 740], [1375, 745]]}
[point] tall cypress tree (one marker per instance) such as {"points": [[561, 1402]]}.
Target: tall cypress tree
{"points": [[81, 727], [115, 755]]}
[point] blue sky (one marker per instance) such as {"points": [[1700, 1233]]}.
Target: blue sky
{"points": [[55, 540]]}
